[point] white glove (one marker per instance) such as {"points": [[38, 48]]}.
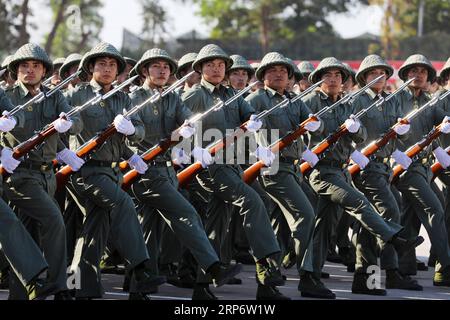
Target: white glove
{"points": [[402, 159], [265, 155], [124, 126], [253, 125], [70, 158], [360, 159], [62, 125], [401, 129], [203, 156], [312, 126], [352, 124], [179, 157], [137, 164], [445, 127], [8, 162], [310, 157], [7, 123], [187, 131], [442, 157]]}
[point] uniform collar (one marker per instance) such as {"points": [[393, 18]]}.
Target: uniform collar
{"points": [[146, 87], [210, 87], [373, 95], [23, 90], [95, 85], [411, 95], [271, 92]]}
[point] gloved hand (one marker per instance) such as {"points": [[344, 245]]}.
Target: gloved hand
{"points": [[70, 158], [402, 159], [7, 123], [360, 159], [137, 164], [402, 129], [179, 157], [265, 155], [445, 128], [352, 124], [203, 156], [310, 157], [442, 157], [124, 126], [61, 124], [253, 125], [312, 126], [187, 130], [8, 162]]}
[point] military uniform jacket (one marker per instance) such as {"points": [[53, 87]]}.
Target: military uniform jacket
{"points": [[96, 118], [284, 119], [36, 117], [160, 119], [332, 120], [444, 105]]}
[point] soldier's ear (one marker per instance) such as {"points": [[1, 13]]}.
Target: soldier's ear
{"points": [[91, 67], [145, 72], [45, 72]]}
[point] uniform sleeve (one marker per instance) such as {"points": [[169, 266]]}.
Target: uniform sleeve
{"points": [[192, 99], [183, 112], [6, 104]]}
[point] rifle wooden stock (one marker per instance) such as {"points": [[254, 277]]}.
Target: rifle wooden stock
{"points": [[62, 176], [324, 145], [416, 149], [185, 176], [436, 168], [27, 146], [254, 170]]}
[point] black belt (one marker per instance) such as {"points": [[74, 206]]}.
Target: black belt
{"points": [[105, 164], [333, 163], [381, 160], [160, 163], [38, 166]]}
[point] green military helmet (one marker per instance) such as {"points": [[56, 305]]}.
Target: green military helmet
{"points": [[239, 62], [58, 62], [211, 52], [297, 73], [73, 59], [155, 54], [371, 62], [4, 65], [30, 51], [132, 62], [84, 76], [325, 65], [445, 71], [351, 72], [306, 68], [273, 59], [255, 65], [185, 62], [103, 49], [417, 60]]}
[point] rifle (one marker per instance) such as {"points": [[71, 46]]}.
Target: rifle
{"points": [[376, 145], [185, 175], [90, 146], [167, 143], [32, 143], [342, 130], [48, 81], [414, 150]]}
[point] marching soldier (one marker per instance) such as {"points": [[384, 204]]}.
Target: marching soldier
{"points": [[131, 63], [373, 180], [56, 67], [96, 187], [70, 67], [421, 204], [184, 67], [240, 73], [31, 188], [305, 68], [5, 76], [223, 181], [157, 189], [330, 179], [284, 187]]}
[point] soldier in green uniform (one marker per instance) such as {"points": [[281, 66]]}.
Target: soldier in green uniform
{"points": [[284, 187], [157, 189], [5, 77], [31, 188], [96, 187], [421, 204], [240, 73], [57, 64], [330, 179], [184, 67], [305, 68], [69, 67], [223, 181], [373, 180]]}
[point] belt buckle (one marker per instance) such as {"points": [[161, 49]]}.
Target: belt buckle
{"points": [[168, 163]]}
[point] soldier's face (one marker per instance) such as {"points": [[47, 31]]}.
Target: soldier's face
{"points": [[421, 75], [193, 78], [158, 73], [374, 73], [332, 82], [277, 78], [72, 70], [104, 70], [31, 72], [56, 79], [304, 84], [213, 71], [124, 75], [238, 79]]}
